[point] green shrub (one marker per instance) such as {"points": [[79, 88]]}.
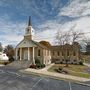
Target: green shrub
{"points": [[80, 63], [11, 59], [60, 68], [57, 62], [40, 65], [37, 61], [61, 62]]}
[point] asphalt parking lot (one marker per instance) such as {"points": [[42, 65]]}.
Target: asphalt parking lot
{"points": [[11, 79]]}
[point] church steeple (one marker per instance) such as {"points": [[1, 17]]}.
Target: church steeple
{"points": [[28, 32], [29, 22]]}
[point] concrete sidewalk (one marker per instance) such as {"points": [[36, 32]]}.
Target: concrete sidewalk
{"points": [[58, 75], [86, 64], [1, 65]]}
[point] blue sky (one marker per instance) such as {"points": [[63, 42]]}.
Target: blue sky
{"points": [[48, 16]]}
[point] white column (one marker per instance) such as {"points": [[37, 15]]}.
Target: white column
{"points": [[16, 53], [20, 53], [28, 53], [33, 55]]}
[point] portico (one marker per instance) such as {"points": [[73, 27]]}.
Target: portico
{"points": [[26, 53]]}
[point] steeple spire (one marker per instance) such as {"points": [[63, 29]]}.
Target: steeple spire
{"points": [[29, 22], [28, 32]]}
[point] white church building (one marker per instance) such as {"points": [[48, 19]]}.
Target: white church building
{"points": [[28, 49]]}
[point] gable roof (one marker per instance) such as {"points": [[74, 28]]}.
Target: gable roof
{"points": [[63, 47], [26, 43], [30, 43], [40, 45]]}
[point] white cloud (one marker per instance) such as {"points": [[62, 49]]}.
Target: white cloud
{"points": [[50, 28], [80, 9], [76, 8], [82, 24], [47, 31], [11, 32]]}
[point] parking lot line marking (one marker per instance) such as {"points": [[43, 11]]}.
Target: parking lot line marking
{"points": [[14, 73], [36, 83], [70, 86]]}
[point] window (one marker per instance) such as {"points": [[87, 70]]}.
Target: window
{"points": [[75, 60], [74, 53], [39, 52], [58, 53], [67, 53], [27, 30], [53, 53]]}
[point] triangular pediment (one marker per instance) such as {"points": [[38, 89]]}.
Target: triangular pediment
{"points": [[26, 43]]}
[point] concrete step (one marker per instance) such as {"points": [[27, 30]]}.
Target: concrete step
{"points": [[20, 64]]}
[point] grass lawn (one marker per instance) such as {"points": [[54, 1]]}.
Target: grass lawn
{"points": [[75, 70]]}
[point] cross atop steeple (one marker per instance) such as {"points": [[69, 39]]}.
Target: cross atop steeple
{"points": [[29, 22]]}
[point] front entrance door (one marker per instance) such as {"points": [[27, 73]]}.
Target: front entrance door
{"points": [[26, 55]]}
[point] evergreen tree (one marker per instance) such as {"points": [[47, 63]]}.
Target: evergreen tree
{"points": [[1, 48]]}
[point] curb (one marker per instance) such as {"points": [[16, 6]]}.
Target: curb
{"points": [[57, 78], [81, 83], [53, 77]]}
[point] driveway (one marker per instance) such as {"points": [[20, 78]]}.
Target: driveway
{"points": [[12, 79]]}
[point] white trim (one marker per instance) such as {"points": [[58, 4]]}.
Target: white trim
{"points": [[16, 53], [33, 55], [28, 53], [20, 53]]}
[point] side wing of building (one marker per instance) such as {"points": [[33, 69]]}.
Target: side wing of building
{"points": [[65, 52]]}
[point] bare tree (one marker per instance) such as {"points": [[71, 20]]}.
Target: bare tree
{"points": [[59, 38], [62, 37], [85, 40], [66, 38], [76, 36], [70, 36]]}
